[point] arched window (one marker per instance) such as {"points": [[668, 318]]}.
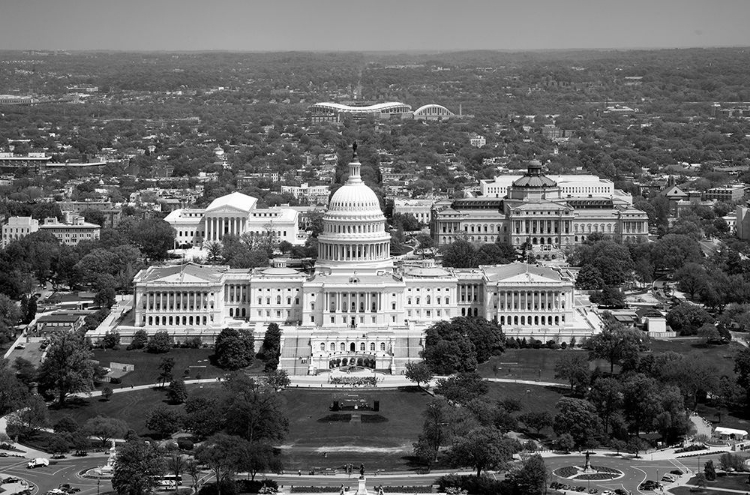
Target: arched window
{"points": [[333, 347], [382, 346], [322, 347], [343, 347], [278, 299], [372, 346], [362, 346]]}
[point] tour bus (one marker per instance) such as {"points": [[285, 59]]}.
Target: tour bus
{"points": [[169, 481]]}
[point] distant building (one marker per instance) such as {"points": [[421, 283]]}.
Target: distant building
{"points": [[420, 208], [734, 192], [71, 230], [332, 112], [233, 214], [477, 141], [313, 194], [17, 228], [535, 211], [11, 160], [59, 323]]}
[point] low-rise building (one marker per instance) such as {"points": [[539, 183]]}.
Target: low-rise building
{"points": [[420, 208], [17, 228], [72, 230], [727, 194]]}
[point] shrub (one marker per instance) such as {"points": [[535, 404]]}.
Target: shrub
{"points": [[140, 338], [115, 381], [185, 443], [253, 486], [107, 393], [159, 343]]}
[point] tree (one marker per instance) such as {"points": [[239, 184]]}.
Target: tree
{"points": [[192, 467], [166, 365], [278, 379], [606, 395], [615, 344], [573, 367], [709, 470], [25, 371], [271, 348], [462, 388], [153, 236], [418, 371], [201, 418], [687, 318], [177, 391], [159, 343], [66, 424], [107, 393], [30, 418], [577, 417], [58, 445], [175, 463], [105, 297], [138, 468], [458, 345], [483, 448], [253, 411], [140, 338], [111, 340], [565, 442], [589, 278], [164, 420], [258, 457], [709, 333], [432, 437], [223, 454], [459, 254], [105, 428], [635, 445], [536, 420], [68, 368], [531, 478], [691, 278], [234, 349]]}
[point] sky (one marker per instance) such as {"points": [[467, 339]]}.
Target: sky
{"points": [[374, 25]]}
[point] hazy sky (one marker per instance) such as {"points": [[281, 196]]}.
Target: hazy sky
{"points": [[269, 25]]}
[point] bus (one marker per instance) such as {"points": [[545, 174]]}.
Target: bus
{"points": [[167, 481]]}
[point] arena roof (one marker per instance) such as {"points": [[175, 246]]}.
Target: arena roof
{"points": [[387, 107]]}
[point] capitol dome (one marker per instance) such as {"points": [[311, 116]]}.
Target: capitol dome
{"points": [[354, 237]]}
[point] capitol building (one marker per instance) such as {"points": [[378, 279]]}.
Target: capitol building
{"points": [[358, 306]]}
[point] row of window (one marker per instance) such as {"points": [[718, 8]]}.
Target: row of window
{"points": [[352, 347]]}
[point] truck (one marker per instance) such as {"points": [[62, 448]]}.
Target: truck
{"points": [[38, 462]]}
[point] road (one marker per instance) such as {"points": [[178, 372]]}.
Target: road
{"points": [[635, 471], [59, 471]]}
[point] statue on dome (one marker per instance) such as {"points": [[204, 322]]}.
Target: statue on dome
{"points": [[354, 149]]}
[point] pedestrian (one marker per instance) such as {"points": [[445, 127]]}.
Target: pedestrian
{"points": [[299, 472]]}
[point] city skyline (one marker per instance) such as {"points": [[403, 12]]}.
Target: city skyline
{"points": [[388, 25]]}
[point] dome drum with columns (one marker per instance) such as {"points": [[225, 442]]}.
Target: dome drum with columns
{"points": [[354, 229]]}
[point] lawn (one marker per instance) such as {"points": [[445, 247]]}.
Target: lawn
{"points": [[131, 407], [736, 483], [316, 438], [720, 355], [147, 364], [531, 364]]}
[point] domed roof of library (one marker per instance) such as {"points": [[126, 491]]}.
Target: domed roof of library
{"points": [[534, 177]]}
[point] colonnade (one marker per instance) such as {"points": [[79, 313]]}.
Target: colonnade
{"points": [[354, 252], [177, 300], [353, 302], [217, 227], [541, 226], [470, 292], [545, 300]]}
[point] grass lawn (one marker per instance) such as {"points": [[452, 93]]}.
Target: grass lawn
{"points": [[147, 364], [721, 356], [736, 482], [131, 407], [532, 364], [383, 443]]}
